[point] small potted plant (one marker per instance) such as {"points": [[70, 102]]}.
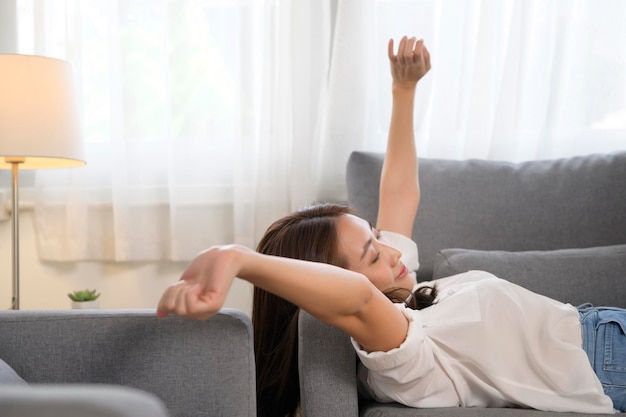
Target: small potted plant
{"points": [[84, 299]]}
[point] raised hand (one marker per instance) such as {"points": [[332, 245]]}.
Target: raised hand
{"points": [[410, 63]]}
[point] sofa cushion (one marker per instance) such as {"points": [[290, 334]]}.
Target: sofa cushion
{"points": [[9, 376], [574, 276], [372, 409], [575, 202]]}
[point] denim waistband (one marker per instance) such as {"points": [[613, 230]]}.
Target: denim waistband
{"points": [[588, 321], [590, 318], [603, 340]]}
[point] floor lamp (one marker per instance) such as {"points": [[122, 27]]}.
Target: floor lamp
{"points": [[38, 127]]}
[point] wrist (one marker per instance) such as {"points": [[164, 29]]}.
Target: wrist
{"points": [[253, 266], [403, 88]]}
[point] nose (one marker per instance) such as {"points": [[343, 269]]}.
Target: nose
{"points": [[393, 254]]}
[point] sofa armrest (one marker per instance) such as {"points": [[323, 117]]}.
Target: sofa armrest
{"points": [[327, 368], [197, 368], [78, 401]]}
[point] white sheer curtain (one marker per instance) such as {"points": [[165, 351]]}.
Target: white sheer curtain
{"points": [[511, 79], [199, 118], [205, 120]]}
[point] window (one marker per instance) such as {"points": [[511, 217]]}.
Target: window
{"points": [[205, 120]]}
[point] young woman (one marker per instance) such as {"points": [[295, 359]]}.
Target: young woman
{"points": [[467, 340]]}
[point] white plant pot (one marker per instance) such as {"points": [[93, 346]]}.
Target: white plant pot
{"points": [[86, 304]]}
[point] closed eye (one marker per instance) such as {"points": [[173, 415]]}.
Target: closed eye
{"points": [[378, 235], [376, 258]]}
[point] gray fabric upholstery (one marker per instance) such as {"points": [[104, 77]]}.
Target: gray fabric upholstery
{"points": [[556, 227], [197, 368], [79, 401], [330, 357], [540, 205], [596, 275], [8, 376], [396, 410]]}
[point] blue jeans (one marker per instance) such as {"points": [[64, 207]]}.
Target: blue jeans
{"points": [[604, 340]]}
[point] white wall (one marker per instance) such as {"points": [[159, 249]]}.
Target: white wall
{"points": [[44, 285]]}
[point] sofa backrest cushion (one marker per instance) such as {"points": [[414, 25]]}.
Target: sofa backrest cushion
{"points": [[575, 276], [327, 367], [576, 202]]}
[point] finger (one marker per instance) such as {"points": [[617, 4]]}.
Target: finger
{"points": [[180, 308], [392, 56], [200, 305], [418, 51], [192, 302], [426, 58], [408, 50], [187, 297], [167, 303], [401, 48]]}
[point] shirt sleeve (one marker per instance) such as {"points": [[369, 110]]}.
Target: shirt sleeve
{"points": [[394, 375]]}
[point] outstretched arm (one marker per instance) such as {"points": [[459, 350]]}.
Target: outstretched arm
{"points": [[337, 296], [399, 184]]}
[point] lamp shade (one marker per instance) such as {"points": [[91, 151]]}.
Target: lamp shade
{"points": [[38, 115]]}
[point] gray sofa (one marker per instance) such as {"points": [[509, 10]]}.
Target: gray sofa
{"points": [[556, 227], [125, 363]]}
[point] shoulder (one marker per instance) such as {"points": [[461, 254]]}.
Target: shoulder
{"points": [[380, 360]]}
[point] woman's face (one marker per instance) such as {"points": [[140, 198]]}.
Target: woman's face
{"points": [[369, 255]]}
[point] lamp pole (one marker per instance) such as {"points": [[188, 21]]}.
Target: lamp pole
{"points": [[15, 165]]}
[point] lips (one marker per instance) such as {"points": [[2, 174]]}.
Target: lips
{"points": [[403, 272]]}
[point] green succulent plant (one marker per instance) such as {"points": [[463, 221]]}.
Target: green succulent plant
{"points": [[84, 295]]}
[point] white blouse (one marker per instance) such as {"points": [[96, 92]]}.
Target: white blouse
{"points": [[485, 343]]}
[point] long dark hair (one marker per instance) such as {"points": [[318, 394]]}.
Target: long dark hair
{"points": [[309, 234]]}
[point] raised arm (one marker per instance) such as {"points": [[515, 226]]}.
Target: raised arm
{"points": [[399, 184], [337, 296]]}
